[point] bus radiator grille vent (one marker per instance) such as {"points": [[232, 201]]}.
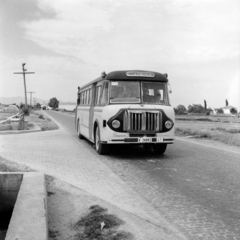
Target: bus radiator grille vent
{"points": [[142, 135], [142, 121]]}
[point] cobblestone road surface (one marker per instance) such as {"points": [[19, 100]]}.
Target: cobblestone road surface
{"points": [[198, 215], [194, 186]]}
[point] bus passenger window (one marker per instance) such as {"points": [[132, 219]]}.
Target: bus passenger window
{"points": [[87, 96], [83, 98], [90, 96], [98, 94], [104, 97], [80, 97]]}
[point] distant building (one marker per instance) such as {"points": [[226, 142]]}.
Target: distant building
{"points": [[225, 110], [43, 106], [229, 109]]}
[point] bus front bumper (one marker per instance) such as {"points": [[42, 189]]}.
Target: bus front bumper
{"points": [[140, 140]]}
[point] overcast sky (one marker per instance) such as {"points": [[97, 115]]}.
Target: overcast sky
{"points": [[70, 42]]}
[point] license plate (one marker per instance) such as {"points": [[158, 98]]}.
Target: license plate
{"points": [[146, 139], [159, 139]]}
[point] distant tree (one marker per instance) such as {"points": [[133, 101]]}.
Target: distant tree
{"points": [[190, 108], [38, 105], [219, 110], [233, 111], [226, 102], [195, 108], [25, 109], [199, 109], [53, 103], [180, 109], [205, 104], [21, 105]]}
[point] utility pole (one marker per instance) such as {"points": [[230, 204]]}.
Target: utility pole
{"points": [[24, 72], [30, 97]]}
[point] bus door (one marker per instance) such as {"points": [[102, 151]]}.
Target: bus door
{"points": [[91, 112], [84, 111], [100, 100]]}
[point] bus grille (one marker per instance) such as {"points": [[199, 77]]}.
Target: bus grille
{"points": [[142, 121]]}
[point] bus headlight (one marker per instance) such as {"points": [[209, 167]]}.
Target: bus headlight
{"points": [[115, 124], [168, 124]]}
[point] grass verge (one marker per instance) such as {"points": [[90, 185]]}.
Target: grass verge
{"points": [[230, 137], [39, 119], [98, 225], [224, 129]]}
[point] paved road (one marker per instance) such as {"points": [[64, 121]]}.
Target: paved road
{"points": [[194, 186]]}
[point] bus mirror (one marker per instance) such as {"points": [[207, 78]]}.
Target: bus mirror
{"points": [[103, 74], [170, 90]]}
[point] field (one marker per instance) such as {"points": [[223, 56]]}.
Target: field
{"points": [[221, 128]]}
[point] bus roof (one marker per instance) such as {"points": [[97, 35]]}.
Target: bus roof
{"points": [[126, 75]]}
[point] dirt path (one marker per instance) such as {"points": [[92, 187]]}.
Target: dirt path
{"points": [[75, 214]]}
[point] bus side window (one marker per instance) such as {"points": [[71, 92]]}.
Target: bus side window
{"points": [[98, 94], [104, 96], [86, 98], [82, 101], [90, 96], [83, 97], [80, 96]]}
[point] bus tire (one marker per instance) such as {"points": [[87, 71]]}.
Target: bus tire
{"points": [[78, 131], [159, 148], [100, 148]]}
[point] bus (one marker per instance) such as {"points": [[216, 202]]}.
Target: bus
{"points": [[126, 107]]}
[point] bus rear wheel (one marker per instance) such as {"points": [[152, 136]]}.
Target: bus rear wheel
{"points": [[78, 131], [100, 148], [159, 148]]}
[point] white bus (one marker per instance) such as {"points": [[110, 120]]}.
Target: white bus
{"points": [[126, 107]]}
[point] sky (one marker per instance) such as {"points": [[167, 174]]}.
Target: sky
{"points": [[68, 43]]}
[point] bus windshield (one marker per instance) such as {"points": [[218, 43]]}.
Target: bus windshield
{"points": [[125, 92], [136, 92], [154, 93]]}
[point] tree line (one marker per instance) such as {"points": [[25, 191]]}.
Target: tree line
{"points": [[53, 102], [199, 109]]}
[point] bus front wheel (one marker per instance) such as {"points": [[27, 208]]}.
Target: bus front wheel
{"points": [[100, 148], [159, 148], [78, 131]]}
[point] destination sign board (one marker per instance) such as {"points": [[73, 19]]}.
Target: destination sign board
{"points": [[140, 74]]}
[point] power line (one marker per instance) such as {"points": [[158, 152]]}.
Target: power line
{"points": [[30, 97]]}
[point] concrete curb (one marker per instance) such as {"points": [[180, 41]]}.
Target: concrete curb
{"points": [[30, 218], [36, 129]]}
